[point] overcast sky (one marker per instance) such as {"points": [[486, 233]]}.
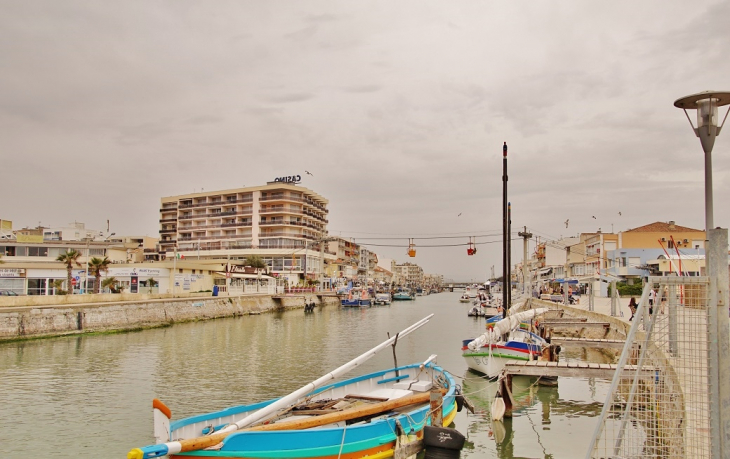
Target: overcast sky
{"points": [[398, 109]]}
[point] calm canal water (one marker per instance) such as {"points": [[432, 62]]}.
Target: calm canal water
{"points": [[90, 396]]}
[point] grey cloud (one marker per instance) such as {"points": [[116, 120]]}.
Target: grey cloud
{"points": [[366, 88], [288, 98]]}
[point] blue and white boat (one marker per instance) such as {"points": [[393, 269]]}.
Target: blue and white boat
{"points": [[357, 298], [505, 340]]}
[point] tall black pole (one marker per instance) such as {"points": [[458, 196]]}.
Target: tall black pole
{"points": [[505, 234], [509, 255]]}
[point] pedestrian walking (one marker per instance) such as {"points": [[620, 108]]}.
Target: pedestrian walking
{"points": [[632, 307], [663, 303]]}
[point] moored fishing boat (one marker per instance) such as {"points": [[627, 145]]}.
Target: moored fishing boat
{"points": [[504, 340], [354, 418], [356, 297], [382, 298], [403, 295]]}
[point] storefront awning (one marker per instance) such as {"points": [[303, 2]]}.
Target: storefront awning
{"points": [[543, 272]]}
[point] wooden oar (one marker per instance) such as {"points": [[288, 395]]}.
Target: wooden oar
{"points": [[315, 421], [173, 447]]}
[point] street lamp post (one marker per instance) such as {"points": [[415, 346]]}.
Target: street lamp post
{"points": [[716, 260]]}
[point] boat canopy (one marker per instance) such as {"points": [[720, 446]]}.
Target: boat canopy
{"points": [[568, 281]]}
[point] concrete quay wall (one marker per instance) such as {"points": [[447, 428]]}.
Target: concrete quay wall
{"points": [[32, 321]]}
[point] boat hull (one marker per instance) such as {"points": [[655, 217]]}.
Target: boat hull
{"points": [[374, 437], [491, 359], [356, 303], [402, 297]]}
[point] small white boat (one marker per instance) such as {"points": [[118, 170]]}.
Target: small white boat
{"points": [[382, 298], [465, 298], [505, 340]]}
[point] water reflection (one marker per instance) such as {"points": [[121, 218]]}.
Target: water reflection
{"points": [[91, 395]]}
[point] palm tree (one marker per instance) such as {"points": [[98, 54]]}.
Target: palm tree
{"points": [[97, 266], [111, 284], [70, 257], [58, 287]]}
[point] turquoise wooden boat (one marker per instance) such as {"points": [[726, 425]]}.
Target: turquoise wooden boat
{"points": [[403, 295], [355, 418]]}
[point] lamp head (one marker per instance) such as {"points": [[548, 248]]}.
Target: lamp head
{"points": [[706, 104]]}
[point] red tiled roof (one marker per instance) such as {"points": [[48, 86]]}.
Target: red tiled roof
{"points": [[662, 227]]}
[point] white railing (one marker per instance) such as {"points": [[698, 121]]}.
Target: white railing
{"points": [[658, 404]]}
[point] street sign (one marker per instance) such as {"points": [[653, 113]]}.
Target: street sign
{"points": [[73, 281], [77, 278]]}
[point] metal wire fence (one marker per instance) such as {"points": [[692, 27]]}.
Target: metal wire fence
{"points": [[659, 401]]}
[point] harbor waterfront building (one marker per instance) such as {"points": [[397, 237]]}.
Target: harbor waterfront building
{"points": [[281, 222], [595, 259]]}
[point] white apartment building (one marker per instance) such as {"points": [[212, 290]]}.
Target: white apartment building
{"points": [[281, 222]]}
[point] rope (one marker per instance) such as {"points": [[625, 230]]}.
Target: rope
{"points": [[342, 444]]}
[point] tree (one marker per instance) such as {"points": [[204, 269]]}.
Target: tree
{"points": [[70, 257], [98, 266], [151, 283], [58, 286], [112, 284], [256, 262]]}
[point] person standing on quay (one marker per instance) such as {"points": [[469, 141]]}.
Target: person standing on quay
{"points": [[652, 297]]}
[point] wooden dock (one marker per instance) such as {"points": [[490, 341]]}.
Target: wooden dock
{"points": [[586, 342], [573, 323], [570, 369]]}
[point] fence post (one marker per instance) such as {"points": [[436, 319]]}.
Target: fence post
{"points": [[614, 299], [719, 341]]}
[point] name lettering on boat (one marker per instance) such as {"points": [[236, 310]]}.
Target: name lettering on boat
{"points": [[289, 179]]}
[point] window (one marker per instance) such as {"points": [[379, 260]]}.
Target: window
{"points": [[37, 286], [37, 251]]}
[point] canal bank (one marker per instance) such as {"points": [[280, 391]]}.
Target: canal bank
{"points": [[19, 321]]}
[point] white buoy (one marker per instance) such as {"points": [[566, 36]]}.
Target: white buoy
{"points": [[498, 407]]}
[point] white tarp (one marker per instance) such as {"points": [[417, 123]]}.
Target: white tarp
{"points": [[504, 326]]}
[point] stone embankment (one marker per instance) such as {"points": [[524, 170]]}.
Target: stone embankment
{"points": [[40, 318]]}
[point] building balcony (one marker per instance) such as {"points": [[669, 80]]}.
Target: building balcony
{"points": [[281, 210], [168, 231], [221, 202], [168, 220], [222, 237]]}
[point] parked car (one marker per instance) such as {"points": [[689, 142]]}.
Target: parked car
{"points": [[7, 293]]}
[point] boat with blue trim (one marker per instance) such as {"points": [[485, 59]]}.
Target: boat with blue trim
{"points": [[356, 298], [366, 416], [505, 340]]}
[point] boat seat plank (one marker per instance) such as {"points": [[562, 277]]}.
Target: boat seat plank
{"points": [[366, 397]]}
